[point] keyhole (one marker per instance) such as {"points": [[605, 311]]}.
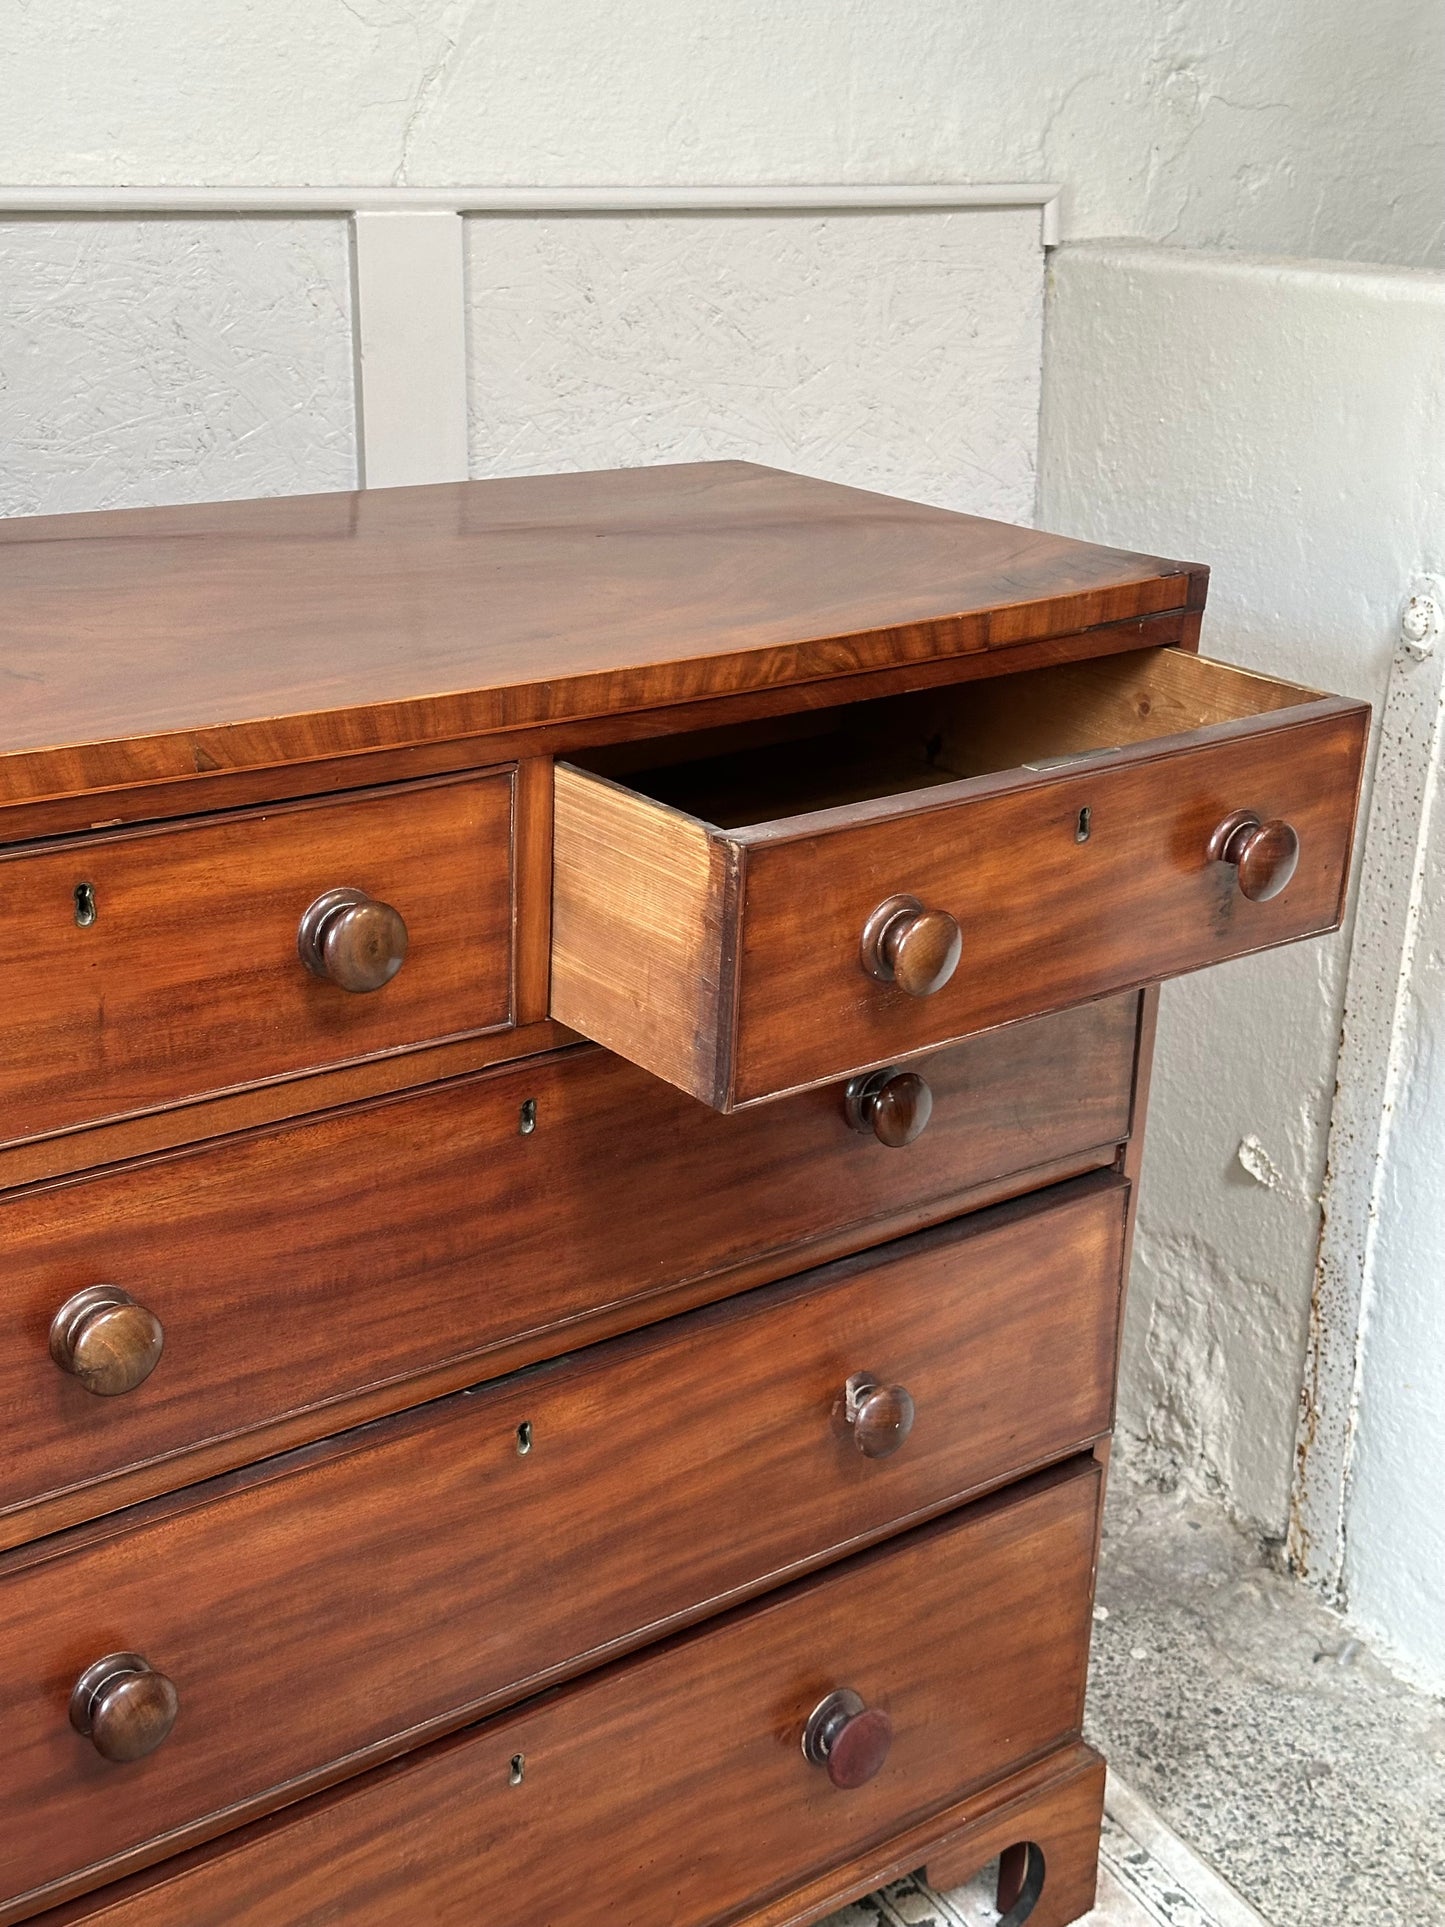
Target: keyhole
{"points": [[1081, 830], [85, 910], [524, 1438], [527, 1120], [518, 1769]]}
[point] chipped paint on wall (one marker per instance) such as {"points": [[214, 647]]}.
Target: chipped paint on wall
{"points": [[1375, 1063], [1286, 424]]}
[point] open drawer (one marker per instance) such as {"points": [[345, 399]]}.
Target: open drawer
{"points": [[750, 910]]}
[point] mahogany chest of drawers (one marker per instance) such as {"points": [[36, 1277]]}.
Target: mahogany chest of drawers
{"points": [[571, 1082]]}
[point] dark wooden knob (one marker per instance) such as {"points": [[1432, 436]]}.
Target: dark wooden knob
{"points": [[352, 940], [1265, 855], [894, 1105], [881, 1416], [905, 944], [848, 1738], [105, 1339], [123, 1706]]}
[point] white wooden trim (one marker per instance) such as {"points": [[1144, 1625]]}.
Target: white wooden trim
{"points": [[741, 198], [410, 317], [408, 273]]}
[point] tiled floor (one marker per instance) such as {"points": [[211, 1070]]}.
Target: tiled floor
{"points": [[1147, 1878]]}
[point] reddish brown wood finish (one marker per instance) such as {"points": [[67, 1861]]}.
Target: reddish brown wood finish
{"points": [[674, 1787], [106, 1341], [1063, 1820], [187, 792], [284, 1654], [124, 1707], [894, 1105], [1046, 920], [153, 644], [1067, 882], [38, 1160], [294, 1267], [188, 979]]}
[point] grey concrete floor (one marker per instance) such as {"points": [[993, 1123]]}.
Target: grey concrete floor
{"points": [[1276, 1745]]}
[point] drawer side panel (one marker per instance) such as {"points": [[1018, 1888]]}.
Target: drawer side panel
{"points": [[640, 901]]}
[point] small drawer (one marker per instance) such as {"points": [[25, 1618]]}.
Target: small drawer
{"points": [[486, 1222], [146, 967], [324, 1608], [749, 913]]}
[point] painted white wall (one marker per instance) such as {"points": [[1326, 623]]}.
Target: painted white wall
{"points": [[1287, 425], [172, 360], [892, 351], [1310, 127], [186, 359], [1393, 1575]]}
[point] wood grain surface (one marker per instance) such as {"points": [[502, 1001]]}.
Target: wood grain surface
{"points": [[188, 792], [187, 981], [294, 1267], [147, 644], [515, 1514], [1082, 870], [1063, 1819], [643, 908], [673, 1786], [1046, 919]]}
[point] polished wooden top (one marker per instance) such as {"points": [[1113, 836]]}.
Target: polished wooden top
{"points": [[142, 645]]}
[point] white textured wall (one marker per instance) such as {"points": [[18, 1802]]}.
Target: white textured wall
{"points": [[1306, 127], [893, 351], [172, 360], [1284, 424], [1394, 1571]]}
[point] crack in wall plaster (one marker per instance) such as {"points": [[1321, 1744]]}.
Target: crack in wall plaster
{"points": [[437, 74]]}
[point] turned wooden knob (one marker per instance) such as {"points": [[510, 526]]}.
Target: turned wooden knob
{"points": [[848, 1738], [123, 1706], [905, 944], [105, 1339], [881, 1416], [1265, 855], [894, 1105], [352, 940]]}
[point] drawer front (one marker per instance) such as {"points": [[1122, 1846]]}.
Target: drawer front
{"points": [[673, 1790], [437, 1563], [1046, 920], [753, 959], [148, 967], [295, 1267]]}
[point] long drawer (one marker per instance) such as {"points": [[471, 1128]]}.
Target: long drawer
{"points": [[674, 1790], [477, 1225], [330, 1603]]}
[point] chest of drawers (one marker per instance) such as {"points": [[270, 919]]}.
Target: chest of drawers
{"points": [[573, 1074]]}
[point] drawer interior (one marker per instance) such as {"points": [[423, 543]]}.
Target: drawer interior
{"points": [[790, 766]]}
